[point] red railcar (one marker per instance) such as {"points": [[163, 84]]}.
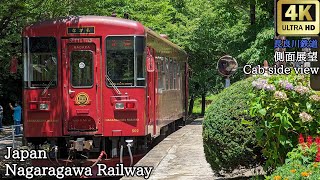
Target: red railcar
{"points": [[92, 84]]}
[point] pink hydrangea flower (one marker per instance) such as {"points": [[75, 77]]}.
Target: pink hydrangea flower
{"points": [[279, 95], [315, 98], [301, 90], [305, 117]]}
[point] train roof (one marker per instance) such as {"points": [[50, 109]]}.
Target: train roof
{"points": [[101, 20]]}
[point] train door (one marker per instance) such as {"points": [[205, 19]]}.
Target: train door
{"points": [[152, 79], [81, 59]]}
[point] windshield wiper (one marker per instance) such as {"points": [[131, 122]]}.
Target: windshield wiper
{"points": [[47, 87], [113, 85], [51, 76]]}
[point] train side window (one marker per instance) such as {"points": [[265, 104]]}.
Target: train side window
{"points": [[157, 65], [163, 72], [178, 76], [160, 74], [175, 75], [171, 74], [163, 75], [163, 65], [167, 74], [160, 63], [160, 85]]}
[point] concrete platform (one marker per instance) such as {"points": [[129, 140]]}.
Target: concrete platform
{"points": [[179, 156]]}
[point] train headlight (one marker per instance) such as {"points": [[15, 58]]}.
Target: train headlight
{"points": [[33, 106], [130, 105], [43, 106], [119, 106]]}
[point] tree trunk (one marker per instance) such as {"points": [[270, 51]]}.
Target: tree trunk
{"points": [[191, 104], [252, 13], [203, 104]]}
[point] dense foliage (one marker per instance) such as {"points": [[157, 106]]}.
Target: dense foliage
{"points": [[228, 143], [205, 29], [301, 163], [284, 106], [242, 29]]}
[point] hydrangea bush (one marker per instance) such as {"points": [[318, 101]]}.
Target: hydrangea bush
{"points": [[283, 107]]}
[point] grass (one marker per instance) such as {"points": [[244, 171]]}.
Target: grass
{"points": [[197, 103]]}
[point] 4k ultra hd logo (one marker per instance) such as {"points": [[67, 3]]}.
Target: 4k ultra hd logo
{"points": [[298, 17]]}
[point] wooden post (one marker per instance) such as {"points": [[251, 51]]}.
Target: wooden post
{"points": [[265, 66]]}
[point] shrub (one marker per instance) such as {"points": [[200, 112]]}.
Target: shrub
{"points": [[228, 143], [286, 107]]}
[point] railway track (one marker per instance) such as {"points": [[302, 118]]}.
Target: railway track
{"points": [[27, 163]]}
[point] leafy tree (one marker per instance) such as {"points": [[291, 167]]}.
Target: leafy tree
{"points": [[226, 27], [205, 29]]}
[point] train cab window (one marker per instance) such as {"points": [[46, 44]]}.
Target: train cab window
{"points": [[40, 62], [125, 61], [140, 60], [120, 60], [81, 68]]}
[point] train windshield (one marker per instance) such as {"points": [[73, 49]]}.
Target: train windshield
{"points": [[124, 56], [40, 62]]}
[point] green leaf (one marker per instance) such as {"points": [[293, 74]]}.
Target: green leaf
{"points": [[259, 133], [289, 143], [245, 122], [263, 112], [277, 115], [282, 140], [309, 105], [266, 124], [305, 159]]}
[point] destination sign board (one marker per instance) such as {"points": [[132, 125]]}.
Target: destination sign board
{"points": [[81, 30]]}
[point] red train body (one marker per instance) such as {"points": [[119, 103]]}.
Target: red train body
{"points": [[91, 83]]}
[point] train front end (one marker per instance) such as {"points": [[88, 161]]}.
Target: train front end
{"points": [[85, 89]]}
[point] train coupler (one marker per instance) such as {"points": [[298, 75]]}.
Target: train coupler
{"points": [[81, 144]]}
